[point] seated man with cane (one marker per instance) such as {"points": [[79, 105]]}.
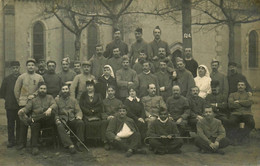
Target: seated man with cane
{"points": [[42, 109], [69, 116], [211, 133], [163, 133]]}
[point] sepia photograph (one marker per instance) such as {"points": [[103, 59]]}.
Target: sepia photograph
{"points": [[130, 82]]}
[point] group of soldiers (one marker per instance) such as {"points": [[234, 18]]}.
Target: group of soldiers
{"points": [[124, 98]]}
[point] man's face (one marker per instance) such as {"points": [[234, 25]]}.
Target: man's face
{"points": [[30, 67], [152, 90], [163, 115], [208, 113], [163, 66], [42, 65], [86, 68], [161, 52], [15, 69], [215, 90], [146, 67], [157, 34], [42, 90], [90, 88], [201, 71], [99, 50], [116, 52], [77, 67], [51, 67], [176, 91], [65, 66], [214, 66], [232, 69], [241, 86], [65, 91], [117, 35], [142, 56], [138, 36], [187, 53], [125, 64], [107, 71], [180, 65], [111, 92], [195, 91], [122, 113]]}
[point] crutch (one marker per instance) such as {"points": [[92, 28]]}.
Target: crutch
{"points": [[65, 124]]}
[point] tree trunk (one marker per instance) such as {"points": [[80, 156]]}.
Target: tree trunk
{"points": [[231, 47], [77, 46]]}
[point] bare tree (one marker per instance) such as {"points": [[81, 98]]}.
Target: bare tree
{"points": [[72, 14], [229, 13], [76, 15]]}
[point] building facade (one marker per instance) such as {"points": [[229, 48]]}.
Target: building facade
{"points": [[25, 32]]}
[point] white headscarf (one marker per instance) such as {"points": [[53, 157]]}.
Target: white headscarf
{"points": [[207, 74], [111, 71]]}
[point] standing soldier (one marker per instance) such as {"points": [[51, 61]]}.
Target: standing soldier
{"points": [[138, 46], [25, 87], [66, 74], [11, 105], [116, 43], [156, 44]]}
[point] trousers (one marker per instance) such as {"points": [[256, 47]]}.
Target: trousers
{"points": [[77, 126], [204, 145], [13, 125]]}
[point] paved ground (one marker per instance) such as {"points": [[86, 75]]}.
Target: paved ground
{"points": [[235, 155]]}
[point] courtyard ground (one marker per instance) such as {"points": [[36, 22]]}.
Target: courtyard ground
{"points": [[235, 155]]}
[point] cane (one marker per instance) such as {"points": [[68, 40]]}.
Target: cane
{"points": [[147, 138], [65, 124]]}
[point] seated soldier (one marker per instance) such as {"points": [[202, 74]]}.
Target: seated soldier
{"points": [[42, 110], [211, 133], [152, 104], [68, 112], [218, 103], [178, 107], [111, 104], [162, 132], [241, 119], [196, 107], [123, 133]]}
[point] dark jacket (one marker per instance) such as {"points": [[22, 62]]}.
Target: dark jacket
{"points": [[116, 124], [7, 92], [102, 85], [158, 128], [92, 109], [135, 109], [53, 83], [197, 105]]}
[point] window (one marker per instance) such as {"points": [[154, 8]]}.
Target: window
{"points": [[38, 41], [92, 39], [253, 49]]}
